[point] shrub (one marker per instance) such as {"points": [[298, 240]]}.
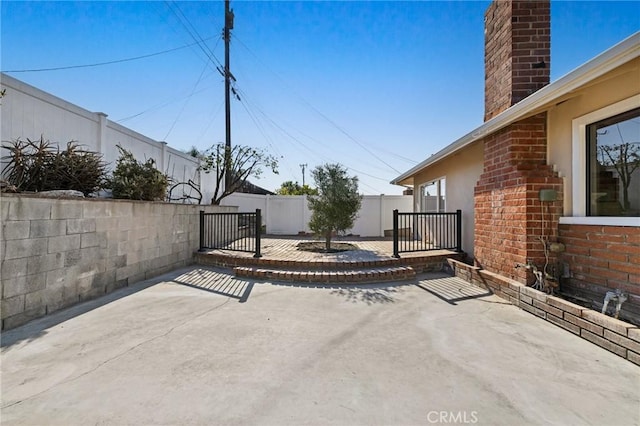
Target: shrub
{"points": [[138, 181], [41, 166]]}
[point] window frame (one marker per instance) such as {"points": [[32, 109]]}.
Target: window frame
{"points": [[579, 166], [591, 135], [441, 181]]}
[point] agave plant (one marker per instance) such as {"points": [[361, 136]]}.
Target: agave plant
{"points": [[39, 165]]}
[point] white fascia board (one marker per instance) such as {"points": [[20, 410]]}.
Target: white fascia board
{"points": [[618, 55]]}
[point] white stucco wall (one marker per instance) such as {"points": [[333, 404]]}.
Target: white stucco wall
{"points": [[28, 112], [616, 86], [288, 215], [461, 171]]}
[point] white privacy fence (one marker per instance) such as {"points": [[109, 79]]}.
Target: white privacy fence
{"points": [[289, 215], [28, 112]]}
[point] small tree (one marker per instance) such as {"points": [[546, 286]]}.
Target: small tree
{"points": [[294, 188], [336, 206], [244, 162], [138, 181]]}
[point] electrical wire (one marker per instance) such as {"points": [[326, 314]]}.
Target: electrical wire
{"points": [[211, 121], [246, 99], [97, 64], [184, 105], [193, 33], [314, 109], [159, 105], [245, 104], [263, 132], [320, 156]]}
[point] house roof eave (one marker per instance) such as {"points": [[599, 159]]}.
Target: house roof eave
{"points": [[621, 53]]}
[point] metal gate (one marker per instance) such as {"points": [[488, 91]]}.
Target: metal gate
{"points": [[426, 231], [231, 231]]}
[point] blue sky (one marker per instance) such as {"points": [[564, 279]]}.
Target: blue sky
{"points": [[377, 86]]}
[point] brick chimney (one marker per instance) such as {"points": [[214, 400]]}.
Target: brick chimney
{"points": [[517, 52], [509, 216]]}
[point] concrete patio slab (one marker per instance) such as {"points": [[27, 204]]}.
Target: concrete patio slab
{"points": [[200, 346]]}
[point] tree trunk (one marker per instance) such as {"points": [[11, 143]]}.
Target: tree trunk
{"points": [[625, 197], [327, 244]]}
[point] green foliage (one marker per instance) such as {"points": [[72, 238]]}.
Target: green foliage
{"points": [[243, 162], [40, 166], [194, 152], [294, 188], [336, 206], [138, 181]]}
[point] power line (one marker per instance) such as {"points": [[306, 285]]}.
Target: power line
{"points": [[330, 121], [260, 127], [326, 118], [213, 117], [199, 41], [97, 64], [193, 91], [321, 157], [160, 105], [276, 125]]}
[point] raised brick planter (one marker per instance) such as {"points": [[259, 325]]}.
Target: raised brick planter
{"points": [[231, 261], [617, 336], [419, 264], [329, 271]]}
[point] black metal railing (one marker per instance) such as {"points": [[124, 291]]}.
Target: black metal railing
{"points": [[426, 231], [231, 231]]}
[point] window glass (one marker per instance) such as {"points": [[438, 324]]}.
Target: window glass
{"points": [[613, 166], [432, 196]]}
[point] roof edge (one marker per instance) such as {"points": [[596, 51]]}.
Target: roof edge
{"points": [[617, 55]]}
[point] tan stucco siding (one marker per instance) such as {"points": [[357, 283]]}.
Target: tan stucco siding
{"points": [[613, 87], [461, 170]]}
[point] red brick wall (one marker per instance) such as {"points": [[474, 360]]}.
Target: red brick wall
{"points": [[497, 58], [600, 259], [517, 43], [509, 218]]}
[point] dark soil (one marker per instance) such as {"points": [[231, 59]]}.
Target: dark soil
{"points": [[319, 247]]}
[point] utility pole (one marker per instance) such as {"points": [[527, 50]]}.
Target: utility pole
{"points": [[303, 167], [228, 26]]}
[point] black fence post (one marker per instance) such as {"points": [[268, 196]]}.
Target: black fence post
{"points": [[395, 234], [459, 231], [258, 232], [201, 230]]}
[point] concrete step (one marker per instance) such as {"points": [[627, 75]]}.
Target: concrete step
{"points": [[433, 261], [363, 275], [231, 260]]}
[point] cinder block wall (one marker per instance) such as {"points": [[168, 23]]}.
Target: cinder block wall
{"points": [[600, 259], [58, 252]]}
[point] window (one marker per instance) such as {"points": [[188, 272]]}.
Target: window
{"points": [[583, 192], [432, 196], [613, 165]]}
